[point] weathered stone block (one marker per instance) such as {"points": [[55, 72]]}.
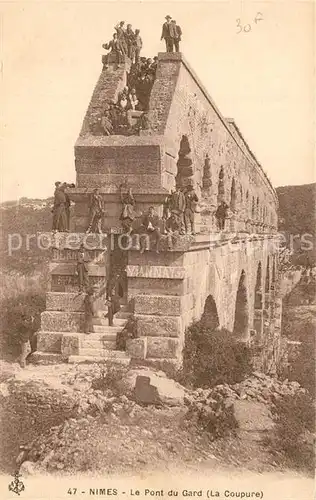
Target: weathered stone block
{"points": [[158, 326], [49, 341], [53, 321], [137, 348], [162, 347], [65, 301], [162, 305], [70, 344]]}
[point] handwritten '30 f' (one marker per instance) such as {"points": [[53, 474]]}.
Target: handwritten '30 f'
{"points": [[247, 27]]}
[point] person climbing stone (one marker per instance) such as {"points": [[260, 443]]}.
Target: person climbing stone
{"points": [[150, 226], [89, 311], [59, 209], [128, 213], [191, 200], [221, 215], [67, 204], [82, 270], [115, 48], [168, 33], [177, 33], [177, 203], [96, 212]]}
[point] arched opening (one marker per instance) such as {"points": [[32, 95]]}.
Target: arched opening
{"points": [[253, 208], [221, 186], [241, 323], [210, 317], [258, 288], [233, 195], [267, 282], [258, 312], [184, 163], [273, 279], [258, 208]]}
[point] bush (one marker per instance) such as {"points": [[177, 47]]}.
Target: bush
{"points": [[109, 377], [213, 357], [212, 413], [293, 436], [20, 319]]}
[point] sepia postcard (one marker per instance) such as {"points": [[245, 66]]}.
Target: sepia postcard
{"points": [[157, 256]]}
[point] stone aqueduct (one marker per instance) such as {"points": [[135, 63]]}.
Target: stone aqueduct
{"points": [[229, 279]]}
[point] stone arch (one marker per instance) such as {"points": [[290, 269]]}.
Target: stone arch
{"points": [[233, 195], [267, 280], [258, 208], [241, 194], [258, 305], [209, 317], [221, 186], [258, 288], [241, 321], [253, 207], [273, 278]]}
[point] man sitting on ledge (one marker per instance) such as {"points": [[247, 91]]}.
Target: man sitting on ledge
{"points": [[149, 226]]}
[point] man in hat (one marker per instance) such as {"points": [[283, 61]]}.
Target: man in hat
{"points": [[173, 228], [150, 226], [138, 42], [191, 200], [96, 212], [115, 48], [59, 208], [121, 36], [82, 270], [176, 35], [221, 215], [67, 205], [168, 33], [177, 204], [130, 42]]}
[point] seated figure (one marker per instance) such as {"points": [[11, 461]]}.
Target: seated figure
{"points": [[116, 53]]}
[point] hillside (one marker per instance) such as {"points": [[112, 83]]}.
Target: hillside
{"points": [[19, 250], [297, 208]]}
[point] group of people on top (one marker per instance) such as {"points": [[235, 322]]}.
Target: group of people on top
{"points": [[125, 42]]}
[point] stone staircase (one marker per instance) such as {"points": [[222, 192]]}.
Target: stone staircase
{"points": [[101, 344]]}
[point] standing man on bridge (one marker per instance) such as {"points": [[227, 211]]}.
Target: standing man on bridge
{"points": [[168, 32], [191, 201], [221, 215], [177, 33], [177, 204]]}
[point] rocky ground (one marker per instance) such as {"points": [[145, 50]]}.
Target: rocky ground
{"points": [[82, 418]]}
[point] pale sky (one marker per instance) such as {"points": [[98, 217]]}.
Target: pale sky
{"points": [[51, 60]]}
